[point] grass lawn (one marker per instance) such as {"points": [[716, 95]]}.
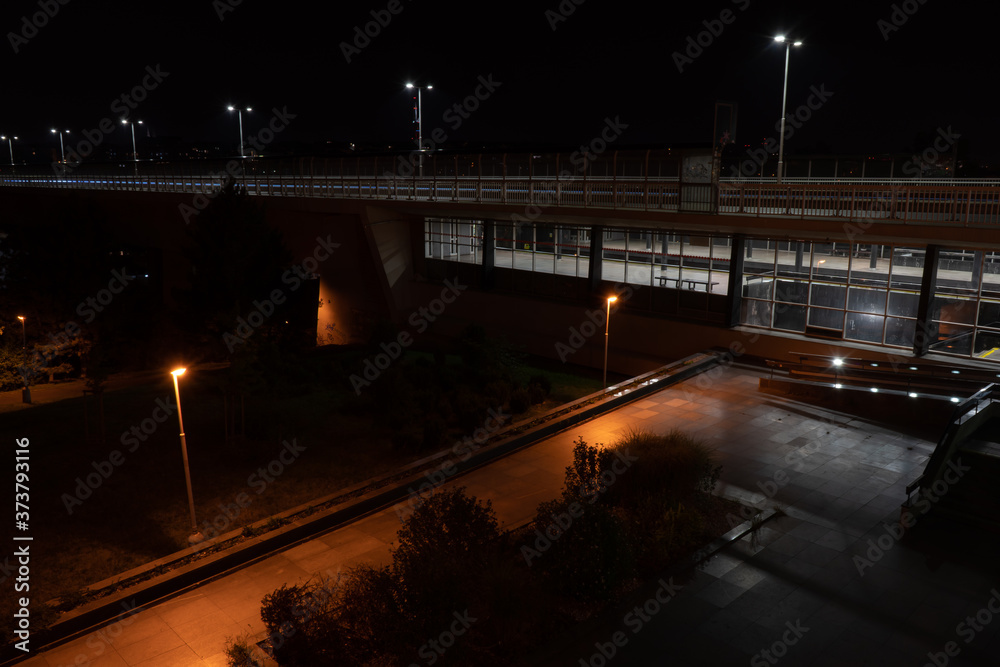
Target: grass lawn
{"points": [[100, 508]]}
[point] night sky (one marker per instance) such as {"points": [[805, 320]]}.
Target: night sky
{"points": [[556, 87]]}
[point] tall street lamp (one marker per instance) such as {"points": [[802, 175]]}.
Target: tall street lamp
{"points": [[25, 392], [10, 145], [195, 536], [607, 326], [784, 94], [419, 118], [62, 148], [135, 155], [240, 113]]}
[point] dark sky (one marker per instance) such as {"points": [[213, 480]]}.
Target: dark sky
{"points": [[606, 59]]}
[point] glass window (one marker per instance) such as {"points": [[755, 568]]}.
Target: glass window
{"points": [[947, 308], [791, 318], [826, 319], [828, 296], [903, 304], [899, 331], [792, 291], [866, 300], [864, 327], [756, 313]]}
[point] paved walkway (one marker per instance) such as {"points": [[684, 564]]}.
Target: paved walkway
{"points": [[798, 593]]}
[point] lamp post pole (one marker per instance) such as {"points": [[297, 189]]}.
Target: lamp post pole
{"points": [[10, 145], [420, 123], [240, 115], [784, 95], [607, 327], [25, 392], [195, 536]]}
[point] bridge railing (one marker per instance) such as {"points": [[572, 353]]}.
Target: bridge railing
{"points": [[953, 204]]}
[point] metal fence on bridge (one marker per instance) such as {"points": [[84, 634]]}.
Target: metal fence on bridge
{"points": [[643, 181]]}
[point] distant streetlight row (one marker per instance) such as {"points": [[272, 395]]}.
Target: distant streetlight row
{"points": [[419, 116]]}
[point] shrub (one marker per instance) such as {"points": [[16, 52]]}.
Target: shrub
{"points": [[441, 550], [520, 400], [301, 624], [369, 619], [589, 559], [240, 653], [674, 467], [583, 475], [665, 533]]}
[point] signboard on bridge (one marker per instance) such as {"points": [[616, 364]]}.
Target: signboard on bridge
{"points": [[699, 182]]}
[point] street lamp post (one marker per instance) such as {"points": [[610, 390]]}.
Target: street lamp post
{"points": [[10, 145], [607, 326], [25, 392], [240, 114], [195, 536], [135, 155], [420, 122], [784, 95], [62, 148]]}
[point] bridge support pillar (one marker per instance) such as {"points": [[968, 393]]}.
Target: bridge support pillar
{"points": [[734, 300], [926, 331], [596, 257]]}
